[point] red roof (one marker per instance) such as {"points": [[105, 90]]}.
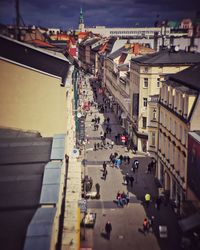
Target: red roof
{"points": [[41, 43]]}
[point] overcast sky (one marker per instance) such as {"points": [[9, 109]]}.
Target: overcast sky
{"points": [[64, 14]]}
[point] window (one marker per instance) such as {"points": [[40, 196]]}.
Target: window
{"points": [[153, 142], [145, 82], [168, 153], [161, 117], [170, 124], [184, 136], [145, 102], [144, 122], [158, 82], [174, 127], [180, 133], [154, 114], [173, 154], [166, 121]]}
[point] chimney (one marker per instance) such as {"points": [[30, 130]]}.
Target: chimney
{"points": [[136, 49]]}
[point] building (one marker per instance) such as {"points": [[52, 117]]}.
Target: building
{"points": [[32, 89], [86, 56], [81, 26], [193, 172], [117, 80], [179, 109], [138, 32], [146, 76], [37, 209]]}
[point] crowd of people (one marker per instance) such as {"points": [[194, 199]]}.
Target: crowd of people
{"points": [[107, 140]]}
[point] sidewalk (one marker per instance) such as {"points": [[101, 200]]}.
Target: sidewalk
{"points": [[128, 220]]}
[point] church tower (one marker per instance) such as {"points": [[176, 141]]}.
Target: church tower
{"points": [[81, 21]]}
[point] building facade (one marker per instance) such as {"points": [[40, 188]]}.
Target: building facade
{"points": [[146, 76], [179, 108]]}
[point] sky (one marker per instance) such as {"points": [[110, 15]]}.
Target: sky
{"points": [[64, 14]]}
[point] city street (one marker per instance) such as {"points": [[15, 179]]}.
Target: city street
{"points": [[127, 222]]}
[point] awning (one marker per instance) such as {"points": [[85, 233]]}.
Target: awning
{"points": [[190, 223]]}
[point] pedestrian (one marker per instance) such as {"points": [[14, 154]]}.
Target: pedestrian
{"points": [[105, 172], [107, 129], [108, 120], [104, 166], [133, 168], [127, 198], [119, 199], [149, 168], [147, 199], [158, 202], [98, 119], [95, 146], [124, 200], [108, 229], [136, 163], [127, 178], [128, 159], [131, 180], [145, 225]]}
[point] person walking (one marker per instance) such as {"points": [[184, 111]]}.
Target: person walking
{"points": [[128, 159], [105, 174], [145, 225], [104, 166], [136, 163], [147, 199], [131, 180], [127, 178], [108, 229], [95, 146], [158, 202]]}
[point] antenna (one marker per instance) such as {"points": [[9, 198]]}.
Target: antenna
{"points": [[17, 32]]}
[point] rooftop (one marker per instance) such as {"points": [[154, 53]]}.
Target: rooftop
{"points": [[32, 57], [23, 157], [168, 57], [188, 77]]}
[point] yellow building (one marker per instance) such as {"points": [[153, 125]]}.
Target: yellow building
{"points": [[178, 114], [32, 88], [146, 76]]}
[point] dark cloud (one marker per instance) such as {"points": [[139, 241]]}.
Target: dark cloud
{"points": [[112, 13]]}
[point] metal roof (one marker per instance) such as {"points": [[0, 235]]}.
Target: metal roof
{"points": [[58, 147], [166, 57], [22, 158], [189, 77], [51, 183], [40, 229]]}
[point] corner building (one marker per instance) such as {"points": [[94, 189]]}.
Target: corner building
{"points": [[179, 114]]}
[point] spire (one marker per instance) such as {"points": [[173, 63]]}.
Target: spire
{"points": [[81, 20]]}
